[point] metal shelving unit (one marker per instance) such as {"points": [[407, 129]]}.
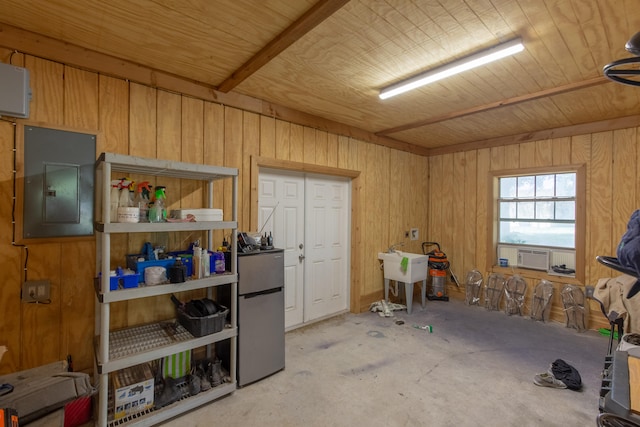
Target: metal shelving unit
{"points": [[117, 350]]}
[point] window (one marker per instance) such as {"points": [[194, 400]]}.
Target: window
{"points": [[538, 210]]}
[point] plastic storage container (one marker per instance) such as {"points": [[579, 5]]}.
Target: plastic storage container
{"points": [[205, 325], [123, 281], [139, 266]]}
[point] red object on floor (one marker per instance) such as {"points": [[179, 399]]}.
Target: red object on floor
{"points": [[77, 412], [8, 417]]}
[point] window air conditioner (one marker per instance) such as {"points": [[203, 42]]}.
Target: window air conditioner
{"points": [[536, 259]]}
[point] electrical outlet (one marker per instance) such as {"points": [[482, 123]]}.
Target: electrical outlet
{"points": [[588, 291], [414, 234], [36, 291]]}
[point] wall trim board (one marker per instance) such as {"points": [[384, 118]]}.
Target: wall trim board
{"points": [[48, 48], [266, 162], [580, 129], [499, 104]]}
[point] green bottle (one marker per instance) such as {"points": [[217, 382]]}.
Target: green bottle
{"points": [[158, 210]]}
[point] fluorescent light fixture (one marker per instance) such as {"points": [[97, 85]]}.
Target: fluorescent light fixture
{"points": [[464, 64]]}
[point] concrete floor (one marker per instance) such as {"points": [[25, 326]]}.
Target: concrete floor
{"points": [[475, 368]]}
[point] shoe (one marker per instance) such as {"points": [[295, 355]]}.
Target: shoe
{"points": [[216, 373], [170, 393], [194, 384], [205, 384], [548, 380]]}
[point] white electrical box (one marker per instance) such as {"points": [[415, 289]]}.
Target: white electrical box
{"points": [[15, 93]]}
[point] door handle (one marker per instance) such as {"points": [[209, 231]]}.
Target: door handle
{"points": [[300, 257]]}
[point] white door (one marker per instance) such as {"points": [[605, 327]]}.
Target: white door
{"points": [[314, 236], [327, 246], [281, 212]]}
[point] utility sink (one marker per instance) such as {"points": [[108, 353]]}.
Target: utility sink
{"points": [[416, 266], [416, 271]]}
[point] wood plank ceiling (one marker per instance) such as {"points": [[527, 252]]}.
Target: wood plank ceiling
{"points": [[330, 58]]}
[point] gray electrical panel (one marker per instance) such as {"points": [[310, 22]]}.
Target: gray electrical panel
{"points": [[58, 183], [15, 92]]}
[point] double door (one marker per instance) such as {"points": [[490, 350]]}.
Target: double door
{"points": [[309, 217]]}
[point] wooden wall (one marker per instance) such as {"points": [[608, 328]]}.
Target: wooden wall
{"points": [[444, 196], [130, 118], [458, 201]]}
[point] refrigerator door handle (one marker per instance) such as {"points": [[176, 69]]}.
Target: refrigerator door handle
{"points": [[257, 294]]}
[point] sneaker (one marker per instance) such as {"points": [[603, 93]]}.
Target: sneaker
{"points": [[548, 380]]}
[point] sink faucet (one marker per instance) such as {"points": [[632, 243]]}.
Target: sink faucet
{"points": [[393, 247]]}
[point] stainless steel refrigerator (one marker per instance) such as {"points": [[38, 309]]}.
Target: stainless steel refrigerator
{"points": [[260, 315]]}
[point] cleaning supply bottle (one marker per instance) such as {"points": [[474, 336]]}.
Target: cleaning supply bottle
{"points": [[114, 199], [219, 264], [124, 201], [197, 262], [158, 211], [142, 200], [206, 263], [126, 211], [132, 193]]}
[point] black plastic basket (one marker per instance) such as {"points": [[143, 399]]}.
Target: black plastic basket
{"points": [[205, 325]]}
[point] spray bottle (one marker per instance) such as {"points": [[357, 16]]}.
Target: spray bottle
{"points": [[132, 193], [142, 200], [124, 201], [158, 211]]}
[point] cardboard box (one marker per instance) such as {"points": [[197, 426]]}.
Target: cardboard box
{"points": [[132, 390]]}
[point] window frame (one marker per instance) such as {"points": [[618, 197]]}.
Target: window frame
{"points": [[580, 204], [535, 199]]}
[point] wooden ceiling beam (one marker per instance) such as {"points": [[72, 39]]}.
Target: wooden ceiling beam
{"points": [[41, 46], [498, 104], [311, 18]]}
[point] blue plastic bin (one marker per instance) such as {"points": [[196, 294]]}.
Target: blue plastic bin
{"points": [[139, 266]]}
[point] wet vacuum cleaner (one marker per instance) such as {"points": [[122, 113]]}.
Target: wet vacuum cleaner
{"points": [[438, 265]]}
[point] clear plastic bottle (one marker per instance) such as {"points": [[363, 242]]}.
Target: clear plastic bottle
{"points": [[158, 211], [124, 200], [206, 263], [197, 262], [142, 200], [114, 200]]}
